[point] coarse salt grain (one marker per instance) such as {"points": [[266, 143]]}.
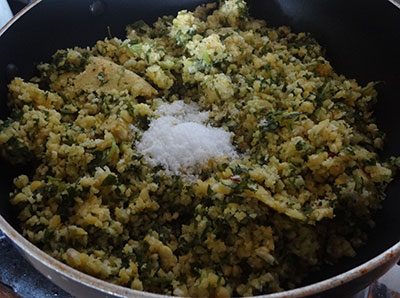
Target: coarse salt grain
{"points": [[180, 141]]}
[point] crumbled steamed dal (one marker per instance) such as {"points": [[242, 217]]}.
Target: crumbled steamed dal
{"points": [[300, 195]]}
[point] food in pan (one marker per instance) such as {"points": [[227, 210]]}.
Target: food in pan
{"points": [[207, 155]]}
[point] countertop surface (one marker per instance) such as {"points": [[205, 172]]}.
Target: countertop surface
{"points": [[19, 279]]}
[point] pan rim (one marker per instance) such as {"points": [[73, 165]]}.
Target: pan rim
{"points": [[18, 15], [392, 254]]}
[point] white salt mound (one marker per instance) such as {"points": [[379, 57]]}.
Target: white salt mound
{"points": [[180, 110], [180, 141]]}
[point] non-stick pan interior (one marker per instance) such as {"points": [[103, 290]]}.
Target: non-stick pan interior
{"points": [[58, 24], [361, 38]]}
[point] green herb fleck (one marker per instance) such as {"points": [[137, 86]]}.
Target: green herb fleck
{"points": [[206, 58], [101, 78], [111, 179], [300, 146], [270, 123], [348, 150]]}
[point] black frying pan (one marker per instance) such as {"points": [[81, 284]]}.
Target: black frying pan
{"points": [[362, 38]]}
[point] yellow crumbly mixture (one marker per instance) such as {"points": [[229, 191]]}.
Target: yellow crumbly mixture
{"points": [[300, 195]]}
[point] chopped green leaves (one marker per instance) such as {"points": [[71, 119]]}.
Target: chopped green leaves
{"points": [[267, 67], [101, 78], [17, 150], [348, 150], [182, 38], [167, 64], [111, 179], [206, 58], [239, 170], [300, 146], [136, 48], [322, 93], [239, 180], [143, 121], [273, 120], [67, 202], [243, 10], [62, 61], [103, 157], [307, 210], [292, 115], [270, 123]]}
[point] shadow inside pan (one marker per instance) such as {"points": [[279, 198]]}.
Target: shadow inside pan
{"points": [[361, 38]]}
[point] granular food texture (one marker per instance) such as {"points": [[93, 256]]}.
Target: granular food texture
{"points": [[280, 151]]}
